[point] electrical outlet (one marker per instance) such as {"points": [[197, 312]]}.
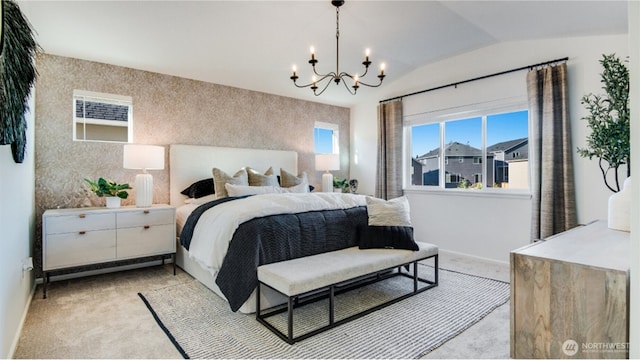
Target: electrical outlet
{"points": [[27, 265]]}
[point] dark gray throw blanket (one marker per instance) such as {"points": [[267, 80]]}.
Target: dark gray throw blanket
{"points": [[283, 237], [274, 238]]}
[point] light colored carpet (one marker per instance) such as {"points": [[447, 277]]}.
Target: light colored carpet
{"points": [[102, 317], [194, 316]]}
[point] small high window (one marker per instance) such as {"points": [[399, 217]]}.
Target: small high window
{"points": [[326, 138], [102, 117]]}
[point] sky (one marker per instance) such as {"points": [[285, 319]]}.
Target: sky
{"points": [[500, 127], [322, 138]]}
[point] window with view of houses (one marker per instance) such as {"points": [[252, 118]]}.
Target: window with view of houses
{"points": [[486, 151]]}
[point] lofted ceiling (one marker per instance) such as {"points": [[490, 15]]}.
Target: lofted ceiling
{"points": [[254, 44]]}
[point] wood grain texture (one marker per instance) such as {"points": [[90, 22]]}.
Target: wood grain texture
{"points": [[553, 301]]}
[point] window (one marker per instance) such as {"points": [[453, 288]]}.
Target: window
{"points": [[326, 138], [487, 151], [102, 117]]}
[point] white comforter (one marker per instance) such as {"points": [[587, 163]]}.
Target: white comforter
{"points": [[214, 230]]}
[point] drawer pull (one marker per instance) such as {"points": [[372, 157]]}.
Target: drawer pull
{"points": [[146, 211], [82, 232], [82, 216], [147, 227]]}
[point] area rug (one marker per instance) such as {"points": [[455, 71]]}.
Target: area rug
{"points": [[201, 325]]}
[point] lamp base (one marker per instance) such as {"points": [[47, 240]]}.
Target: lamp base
{"points": [[327, 182], [144, 190]]}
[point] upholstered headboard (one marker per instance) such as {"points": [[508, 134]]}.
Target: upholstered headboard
{"points": [[190, 163]]}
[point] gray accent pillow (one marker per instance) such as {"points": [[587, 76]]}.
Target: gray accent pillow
{"points": [[288, 179], [256, 178], [220, 178], [394, 212]]}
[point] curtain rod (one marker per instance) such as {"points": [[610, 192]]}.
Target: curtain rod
{"points": [[477, 78]]}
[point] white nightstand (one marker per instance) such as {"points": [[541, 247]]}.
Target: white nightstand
{"points": [[86, 236]]}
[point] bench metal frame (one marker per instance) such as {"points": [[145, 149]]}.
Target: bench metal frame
{"points": [[332, 290]]}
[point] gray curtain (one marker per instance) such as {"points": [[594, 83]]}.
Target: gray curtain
{"points": [[552, 180], [389, 168]]}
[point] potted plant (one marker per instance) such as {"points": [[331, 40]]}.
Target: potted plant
{"points": [[113, 191], [340, 185], [609, 120]]}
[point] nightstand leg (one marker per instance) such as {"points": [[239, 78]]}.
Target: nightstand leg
{"points": [[174, 264]]}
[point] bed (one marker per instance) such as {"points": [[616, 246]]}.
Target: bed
{"points": [[191, 163]]}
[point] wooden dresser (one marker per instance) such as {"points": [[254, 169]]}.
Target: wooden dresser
{"points": [[570, 295]]}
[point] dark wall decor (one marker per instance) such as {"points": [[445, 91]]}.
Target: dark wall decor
{"points": [[17, 75]]}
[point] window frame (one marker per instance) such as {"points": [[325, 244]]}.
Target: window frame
{"points": [[335, 135], [104, 98], [482, 110]]}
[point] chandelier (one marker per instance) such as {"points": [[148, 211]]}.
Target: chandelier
{"points": [[337, 76]]}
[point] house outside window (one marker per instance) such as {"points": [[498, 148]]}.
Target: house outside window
{"points": [[102, 117], [485, 150]]}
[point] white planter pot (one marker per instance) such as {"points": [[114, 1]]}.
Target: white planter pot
{"points": [[113, 202], [620, 208]]}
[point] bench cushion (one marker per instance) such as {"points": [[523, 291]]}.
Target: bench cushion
{"points": [[298, 276]]}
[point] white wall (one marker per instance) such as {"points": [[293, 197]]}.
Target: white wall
{"points": [[17, 211], [591, 194]]}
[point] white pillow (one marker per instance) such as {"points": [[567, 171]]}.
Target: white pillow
{"points": [[200, 200], [300, 188], [241, 190], [394, 212]]}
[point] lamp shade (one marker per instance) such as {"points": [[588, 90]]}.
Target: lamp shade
{"points": [[145, 157], [327, 162]]}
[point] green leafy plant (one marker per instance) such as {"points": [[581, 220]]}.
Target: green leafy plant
{"points": [[609, 120], [105, 187], [341, 184]]}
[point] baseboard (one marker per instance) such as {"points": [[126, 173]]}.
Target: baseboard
{"points": [[474, 256], [16, 338], [105, 270]]}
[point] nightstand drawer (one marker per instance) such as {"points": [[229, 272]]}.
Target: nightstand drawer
{"points": [[146, 241], [144, 217], [79, 248], [82, 221]]}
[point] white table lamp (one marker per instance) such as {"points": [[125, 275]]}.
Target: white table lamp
{"points": [[326, 163], [145, 157]]}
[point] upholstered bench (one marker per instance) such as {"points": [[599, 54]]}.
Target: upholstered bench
{"points": [[326, 272]]}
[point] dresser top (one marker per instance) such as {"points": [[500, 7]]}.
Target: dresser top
{"points": [[50, 212], [591, 245]]}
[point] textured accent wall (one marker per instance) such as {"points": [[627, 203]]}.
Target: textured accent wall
{"points": [[166, 110]]}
